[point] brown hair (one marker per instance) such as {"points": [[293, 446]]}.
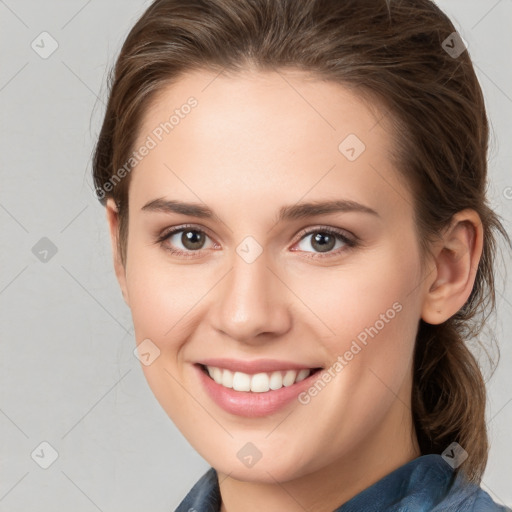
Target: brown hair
{"points": [[393, 53]]}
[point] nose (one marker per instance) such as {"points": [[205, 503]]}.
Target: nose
{"points": [[251, 303]]}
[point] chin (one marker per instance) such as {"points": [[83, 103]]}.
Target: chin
{"points": [[276, 467]]}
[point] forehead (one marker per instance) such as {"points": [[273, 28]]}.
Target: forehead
{"points": [[265, 99], [260, 132]]}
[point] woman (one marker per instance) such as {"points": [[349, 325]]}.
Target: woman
{"points": [[295, 192]]}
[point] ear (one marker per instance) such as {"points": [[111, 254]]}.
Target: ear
{"points": [[456, 259], [113, 222]]}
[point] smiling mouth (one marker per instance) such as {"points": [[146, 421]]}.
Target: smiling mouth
{"points": [[257, 382]]}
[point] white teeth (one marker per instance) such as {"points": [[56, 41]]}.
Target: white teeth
{"points": [[227, 379], [289, 378], [217, 375], [276, 380], [258, 382], [241, 381], [302, 375]]}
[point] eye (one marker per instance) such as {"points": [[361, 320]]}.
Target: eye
{"points": [[324, 239], [187, 239]]}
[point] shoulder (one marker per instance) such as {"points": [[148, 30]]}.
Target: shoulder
{"points": [[482, 502], [468, 497]]}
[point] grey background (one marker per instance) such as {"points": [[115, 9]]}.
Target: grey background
{"points": [[68, 375]]}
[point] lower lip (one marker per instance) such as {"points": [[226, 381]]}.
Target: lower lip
{"points": [[250, 404]]}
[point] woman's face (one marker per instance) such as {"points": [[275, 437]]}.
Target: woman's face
{"points": [[267, 283]]}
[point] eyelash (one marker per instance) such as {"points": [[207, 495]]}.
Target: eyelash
{"points": [[349, 243]]}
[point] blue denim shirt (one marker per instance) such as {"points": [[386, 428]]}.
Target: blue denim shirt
{"points": [[424, 484]]}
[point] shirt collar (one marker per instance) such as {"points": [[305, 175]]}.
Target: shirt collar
{"points": [[427, 483]]}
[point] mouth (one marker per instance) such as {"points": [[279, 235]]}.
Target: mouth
{"points": [[261, 382], [254, 388]]}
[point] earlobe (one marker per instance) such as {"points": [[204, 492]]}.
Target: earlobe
{"points": [[113, 222], [456, 264]]}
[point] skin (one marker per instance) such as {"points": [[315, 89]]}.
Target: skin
{"points": [[275, 136]]}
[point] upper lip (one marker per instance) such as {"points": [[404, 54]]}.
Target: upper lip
{"points": [[255, 366]]}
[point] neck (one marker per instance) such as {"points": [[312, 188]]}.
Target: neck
{"points": [[333, 485]]}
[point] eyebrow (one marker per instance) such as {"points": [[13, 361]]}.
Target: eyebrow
{"points": [[291, 212]]}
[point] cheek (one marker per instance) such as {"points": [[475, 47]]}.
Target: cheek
{"points": [[368, 317], [161, 295], [351, 302], [162, 299]]}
